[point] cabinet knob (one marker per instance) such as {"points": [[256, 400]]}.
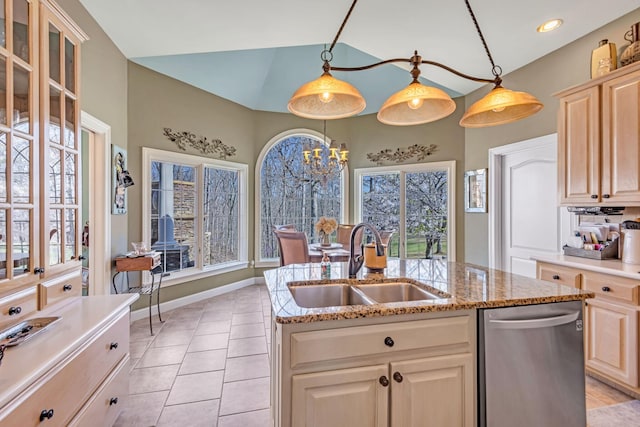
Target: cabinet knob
{"points": [[67, 288], [556, 277], [594, 196], [113, 346], [397, 376], [46, 414], [113, 401], [388, 341], [384, 381], [38, 270], [15, 310], [82, 257], [605, 196], [606, 289]]}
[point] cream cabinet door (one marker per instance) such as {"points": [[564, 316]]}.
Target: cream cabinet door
{"points": [[436, 391], [621, 140], [612, 340], [346, 397], [579, 147]]}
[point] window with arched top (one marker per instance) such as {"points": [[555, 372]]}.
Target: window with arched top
{"points": [[288, 193]]}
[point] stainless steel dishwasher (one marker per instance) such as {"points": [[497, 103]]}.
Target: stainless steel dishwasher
{"points": [[531, 366]]}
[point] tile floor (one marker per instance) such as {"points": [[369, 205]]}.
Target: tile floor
{"points": [[208, 365]]}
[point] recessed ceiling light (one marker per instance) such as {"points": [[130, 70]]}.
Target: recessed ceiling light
{"points": [[550, 25]]}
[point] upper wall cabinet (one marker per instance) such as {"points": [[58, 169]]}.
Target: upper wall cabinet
{"points": [[599, 140], [39, 148], [60, 140]]}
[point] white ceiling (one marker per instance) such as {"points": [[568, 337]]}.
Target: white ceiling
{"points": [[258, 52]]}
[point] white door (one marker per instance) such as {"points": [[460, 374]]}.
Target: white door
{"points": [[529, 221]]}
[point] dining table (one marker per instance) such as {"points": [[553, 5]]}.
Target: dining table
{"points": [[336, 252]]}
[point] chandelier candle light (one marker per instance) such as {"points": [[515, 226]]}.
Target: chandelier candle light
{"points": [[330, 98], [324, 227], [335, 163]]}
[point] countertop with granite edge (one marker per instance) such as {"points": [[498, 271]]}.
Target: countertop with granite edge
{"points": [[462, 286]]}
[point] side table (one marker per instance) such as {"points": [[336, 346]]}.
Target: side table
{"points": [[150, 263]]}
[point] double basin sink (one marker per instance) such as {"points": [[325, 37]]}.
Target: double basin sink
{"points": [[342, 294]]}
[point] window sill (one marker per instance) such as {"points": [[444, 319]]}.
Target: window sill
{"points": [[268, 263], [180, 278]]}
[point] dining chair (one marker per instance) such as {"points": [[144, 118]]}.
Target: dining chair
{"points": [[386, 236], [290, 227], [344, 237], [293, 247]]}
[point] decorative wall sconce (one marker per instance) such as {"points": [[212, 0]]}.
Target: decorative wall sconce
{"points": [[202, 144], [400, 155]]}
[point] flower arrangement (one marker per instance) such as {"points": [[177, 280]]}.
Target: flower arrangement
{"points": [[324, 227]]}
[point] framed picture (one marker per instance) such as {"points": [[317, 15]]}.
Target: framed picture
{"points": [[119, 175], [475, 190]]}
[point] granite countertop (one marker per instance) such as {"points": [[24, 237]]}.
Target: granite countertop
{"points": [[463, 286], [606, 266]]}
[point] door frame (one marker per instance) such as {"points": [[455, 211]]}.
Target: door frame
{"points": [[99, 204], [495, 205]]}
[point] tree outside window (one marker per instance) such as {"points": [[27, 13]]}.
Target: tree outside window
{"points": [[290, 194]]}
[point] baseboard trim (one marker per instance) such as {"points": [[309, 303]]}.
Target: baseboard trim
{"points": [[143, 313]]}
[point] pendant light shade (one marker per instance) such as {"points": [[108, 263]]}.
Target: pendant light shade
{"points": [[416, 104], [326, 98], [500, 106]]}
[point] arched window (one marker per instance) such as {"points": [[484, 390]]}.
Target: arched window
{"points": [[288, 193]]}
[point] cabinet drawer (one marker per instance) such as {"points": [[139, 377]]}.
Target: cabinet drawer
{"points": [[559, 274], [65, 388], [316, 346], [106, 404], [60, 288], [611, 287], [18, 306]]}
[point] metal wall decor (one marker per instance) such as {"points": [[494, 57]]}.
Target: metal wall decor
{"points": [[202, 144], [402, 154]]}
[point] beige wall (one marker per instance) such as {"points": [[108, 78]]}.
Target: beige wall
{"points": [[558, 70], [157, 101], [139, 103], [103, 93]]}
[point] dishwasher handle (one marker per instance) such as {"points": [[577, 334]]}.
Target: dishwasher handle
{"points": [[542, 322]]}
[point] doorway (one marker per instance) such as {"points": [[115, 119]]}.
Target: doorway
{"points": [[524, 217], [96, 138]]}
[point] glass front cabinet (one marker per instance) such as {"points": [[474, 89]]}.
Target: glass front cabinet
{"points": [[39, 143]]}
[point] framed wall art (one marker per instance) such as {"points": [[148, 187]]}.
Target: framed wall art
{"points": [[475, 190], [120, 180]]}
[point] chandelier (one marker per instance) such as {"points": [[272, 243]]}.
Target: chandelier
{"points": [[329, 98], [325, 166]]}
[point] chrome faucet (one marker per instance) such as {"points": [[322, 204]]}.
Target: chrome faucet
{"points": [[356, 261]]}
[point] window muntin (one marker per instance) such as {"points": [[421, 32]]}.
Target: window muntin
{"points": [[195, 212], [289, 194], [414, 201]]}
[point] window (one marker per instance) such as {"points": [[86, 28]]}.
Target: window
{"points": [[413, 201], [289, 194], [195, 212]]}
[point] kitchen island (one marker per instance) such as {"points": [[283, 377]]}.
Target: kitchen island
{"points": [[394, 363]]}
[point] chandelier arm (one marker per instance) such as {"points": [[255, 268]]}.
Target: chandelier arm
{"points": [[496, 80], [346, 18], [368, 67], [484, 42]]}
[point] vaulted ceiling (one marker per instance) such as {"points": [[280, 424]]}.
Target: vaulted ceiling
{"points": [[257, 52]]}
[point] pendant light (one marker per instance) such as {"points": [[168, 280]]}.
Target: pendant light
{"points": [[417, 103], [326, 97], [329, 98], [500, 106]]}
